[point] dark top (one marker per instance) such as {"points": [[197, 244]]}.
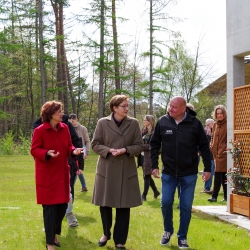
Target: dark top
{"points": [[178, 144]]}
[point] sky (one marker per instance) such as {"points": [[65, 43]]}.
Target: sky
{"points": [[203, 21], [205, 18]]}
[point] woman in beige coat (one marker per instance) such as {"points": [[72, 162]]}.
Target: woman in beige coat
{"points": [[117, 140], [218, 147]]}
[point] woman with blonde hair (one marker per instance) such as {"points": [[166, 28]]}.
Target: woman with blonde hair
{"points": [[147, 131], [218, 147]]}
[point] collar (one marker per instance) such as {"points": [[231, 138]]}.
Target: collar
{"points": [[118, 123], [185, 115]]}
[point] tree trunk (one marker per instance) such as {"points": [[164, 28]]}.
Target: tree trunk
{"points": [[151, 60], [73, 103], [61, 54], [101, 65], [42, 67], [116, 54]]}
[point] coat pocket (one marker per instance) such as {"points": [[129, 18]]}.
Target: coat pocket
{"points": [[42, 177]]}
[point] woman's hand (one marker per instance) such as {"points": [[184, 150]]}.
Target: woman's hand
{"points": [[52, 154], [116, 152]]}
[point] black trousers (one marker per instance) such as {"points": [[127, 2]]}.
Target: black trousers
{"points": [[121, 226], [72, 185], [52, 218], [220, 179], [149, 182]]}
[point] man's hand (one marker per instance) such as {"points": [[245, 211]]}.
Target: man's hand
{"points": [[155, 173], [78, 151], [206, 176], [79, 171]]}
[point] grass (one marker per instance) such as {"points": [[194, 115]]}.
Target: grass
{"points": [[21, 223]]}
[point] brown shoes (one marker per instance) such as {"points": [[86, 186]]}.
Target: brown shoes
{"points": [[84, 189], [207, 191]]}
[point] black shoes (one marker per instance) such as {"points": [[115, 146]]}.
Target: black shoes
{"points": [[156, 194], [165, 238], [57, 244], [183, 244], [102, 243], [212, 199]]}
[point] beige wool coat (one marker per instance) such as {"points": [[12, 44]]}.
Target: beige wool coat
{"points": [[218, 145], [116, 180]]}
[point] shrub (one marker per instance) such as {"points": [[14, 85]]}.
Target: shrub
{"points": [[7, 144], [23, 147]]}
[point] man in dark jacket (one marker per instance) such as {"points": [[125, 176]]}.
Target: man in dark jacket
{"points": [[76, 166], [178, 134]]}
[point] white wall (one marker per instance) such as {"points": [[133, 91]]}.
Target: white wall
{"points": [[238, 46]]}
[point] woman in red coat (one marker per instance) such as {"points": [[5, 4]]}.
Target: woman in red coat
{"points": [[51, 147]]}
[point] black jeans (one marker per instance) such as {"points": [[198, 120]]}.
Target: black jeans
{"points": [[220, 179], [149, 182], [72, 185], [121, 223], [52, 217]]}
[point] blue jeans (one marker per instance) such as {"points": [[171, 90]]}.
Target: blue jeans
{"points": [[70, 205], [82, 180], [208, 183], [187, 187]]}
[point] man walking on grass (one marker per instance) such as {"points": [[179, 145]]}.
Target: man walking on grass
{"points": [[83, 133], [178, 134]]}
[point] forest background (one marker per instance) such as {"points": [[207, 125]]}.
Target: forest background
{"points": [[42, 59]]}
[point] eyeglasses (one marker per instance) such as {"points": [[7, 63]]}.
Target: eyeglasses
{"points": [[60, 111], [124, 106]]}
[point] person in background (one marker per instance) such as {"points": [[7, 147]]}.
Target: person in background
{"points": [[83, 133], [208, 183], [218, 147], [51, 146], [117, 140], [147, 131], [177, 135]]}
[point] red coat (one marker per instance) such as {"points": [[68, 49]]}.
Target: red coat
{"points": [[52, 175]]}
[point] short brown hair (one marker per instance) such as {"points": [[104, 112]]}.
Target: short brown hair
{"points": [[116, 101], [48, 109]]}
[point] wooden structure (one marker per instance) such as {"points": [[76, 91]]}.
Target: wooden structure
{"points": [[242, 125], [240, 203]]}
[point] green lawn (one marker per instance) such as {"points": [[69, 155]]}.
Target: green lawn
{"points": [[21, 223]]}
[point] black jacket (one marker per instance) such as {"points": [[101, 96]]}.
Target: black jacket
{"points": [[76, 141], [179, 144]]}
